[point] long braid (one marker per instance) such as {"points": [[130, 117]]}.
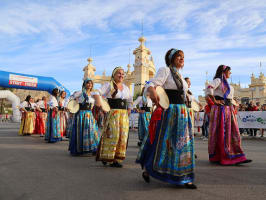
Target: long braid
{"points": [[115, 92]]}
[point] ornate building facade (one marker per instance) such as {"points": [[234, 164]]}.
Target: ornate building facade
{"points": [[144, 69]]}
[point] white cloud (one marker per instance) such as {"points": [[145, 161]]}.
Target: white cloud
{"points": [[50, 37]]}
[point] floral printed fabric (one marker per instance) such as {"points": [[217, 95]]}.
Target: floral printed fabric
{"points": [[114, 139]]}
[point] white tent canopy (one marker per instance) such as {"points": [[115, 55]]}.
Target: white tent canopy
{"points": [[6, 94]]}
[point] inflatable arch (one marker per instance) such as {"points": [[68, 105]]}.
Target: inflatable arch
{"points": [[6, 94], [27, 82]]}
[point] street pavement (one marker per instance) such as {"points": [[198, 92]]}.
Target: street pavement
{"points": [[31, 169]]}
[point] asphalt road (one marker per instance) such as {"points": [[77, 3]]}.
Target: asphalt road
{"points": [[31, 169]]}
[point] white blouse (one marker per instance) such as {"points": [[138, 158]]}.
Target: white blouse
{"points": [[105, 92], [192, 98], [40, 104], [53, 102], [80, 98], [165, 79], [139, 101], [215, 88], [63, 102], [26, 104]]}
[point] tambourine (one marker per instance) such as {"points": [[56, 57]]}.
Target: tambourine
{"points": [[104, 104], [164, 100], [195, 106], [73, 106]]}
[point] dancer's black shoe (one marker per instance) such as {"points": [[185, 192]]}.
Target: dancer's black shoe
{"points": [[116, 164], [243, 162], [146, 177], [104, 163], [190, 186]]}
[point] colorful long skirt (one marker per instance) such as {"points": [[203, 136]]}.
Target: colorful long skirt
{"points": [[114, 138], [224, 136], [27, 124], [85, 136], [70, 122], [52, 133], [40, 125], [192, 114], [98, 115], [63, 122], [169, 154], [143, 123]]}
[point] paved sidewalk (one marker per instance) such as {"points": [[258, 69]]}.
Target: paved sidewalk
{"points": [[31, 169]]}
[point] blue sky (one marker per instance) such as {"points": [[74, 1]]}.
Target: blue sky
{"points": [[54, 38]]}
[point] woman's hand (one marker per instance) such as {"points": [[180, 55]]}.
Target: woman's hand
{"points": [[219, 102], [128, 111], [153, 95], [97, 100], [211, 98]]}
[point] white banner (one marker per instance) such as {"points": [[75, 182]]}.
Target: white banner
{"points": [[252, 119], [198, 119], [27, 81], [246, 119]]}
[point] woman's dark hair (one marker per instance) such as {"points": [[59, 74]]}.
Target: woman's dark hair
{"points": [[142, 91], [63, 91], [55, 92], [28, 98], [220, 70], [171, 62], [85, 82]]}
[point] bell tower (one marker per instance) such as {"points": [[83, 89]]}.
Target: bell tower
{"points": [[144, 68], [89, 70]]}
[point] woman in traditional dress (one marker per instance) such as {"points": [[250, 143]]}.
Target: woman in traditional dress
{"points": [[168, 153], [27, 109], [224, 137], [145, 108], [63, 113], [52, 133], [189, 100], [113, 144], [71, 116], [41, 117], [85, 137]]}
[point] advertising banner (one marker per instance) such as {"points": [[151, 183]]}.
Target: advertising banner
{"points": [[246, 119], [25, 81], [252, 119], [198, 119]]}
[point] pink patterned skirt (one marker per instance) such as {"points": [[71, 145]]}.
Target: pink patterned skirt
{"points": [[224, 136]]}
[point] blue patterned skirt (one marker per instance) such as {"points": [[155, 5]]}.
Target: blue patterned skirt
{"points": [[70, 122], [85, 136], [170, 156], [52, 133], [143, 123]]}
